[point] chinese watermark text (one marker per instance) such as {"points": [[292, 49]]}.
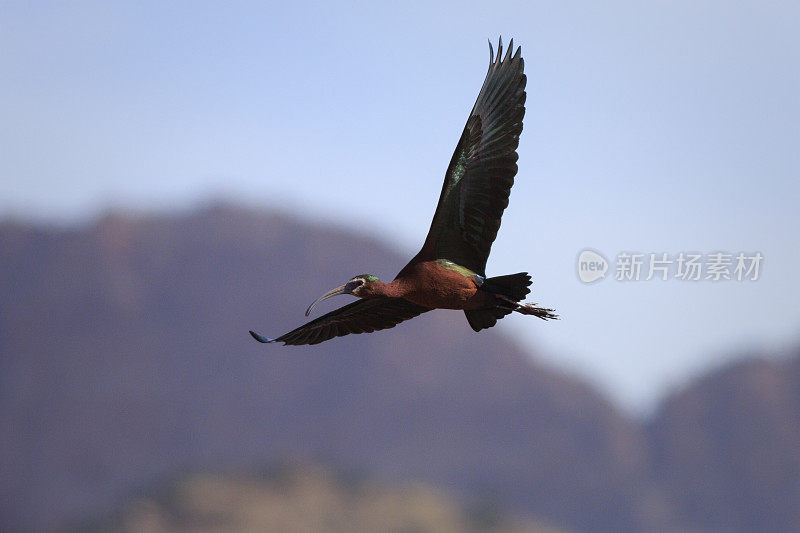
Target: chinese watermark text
{"points": [[663, 266]]}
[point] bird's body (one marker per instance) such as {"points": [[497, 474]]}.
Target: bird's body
{"points": [[449, 270], [437, 285]]}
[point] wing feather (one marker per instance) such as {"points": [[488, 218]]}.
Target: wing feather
{"points": [[362, 316], [481, 172]]}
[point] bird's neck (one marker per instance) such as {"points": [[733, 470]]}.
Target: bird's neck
{"points": [[393, 289]]}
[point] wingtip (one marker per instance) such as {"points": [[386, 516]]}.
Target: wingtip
{"points": [[510, 55], [261, 338], [500, 50]]}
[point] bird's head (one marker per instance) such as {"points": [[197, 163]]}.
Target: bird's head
{"points": [[362, 286]]}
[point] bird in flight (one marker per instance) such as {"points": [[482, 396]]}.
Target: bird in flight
{"points": [[449, 272]]}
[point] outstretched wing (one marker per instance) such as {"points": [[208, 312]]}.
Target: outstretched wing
{"points": [[481, 172], [362, 316]]}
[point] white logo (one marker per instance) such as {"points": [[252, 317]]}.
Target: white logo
{"points": [[591, 266], [684, 266]]}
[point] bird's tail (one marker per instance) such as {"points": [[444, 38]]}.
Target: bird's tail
{"points": [[509, 291], [514, 286]]}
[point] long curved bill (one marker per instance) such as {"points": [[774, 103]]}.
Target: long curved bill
{"points": [[333, 292]]}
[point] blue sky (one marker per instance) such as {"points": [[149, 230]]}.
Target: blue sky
{"points": [[650, 127]]}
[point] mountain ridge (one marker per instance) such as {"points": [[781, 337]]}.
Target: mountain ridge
{"points": [[124, 354]]}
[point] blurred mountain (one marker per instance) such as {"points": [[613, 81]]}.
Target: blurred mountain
{"points": [[304, 498], [727, 448], [124, 355]]}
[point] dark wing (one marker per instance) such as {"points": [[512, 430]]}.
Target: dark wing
{"points": [[363, 316], [481, 172]]}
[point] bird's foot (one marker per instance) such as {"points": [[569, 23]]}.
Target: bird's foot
{"points": [[527, 309], [532, 309]]}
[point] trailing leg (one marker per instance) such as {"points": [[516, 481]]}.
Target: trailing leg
{"points": [[529, 309], [508, 291]]}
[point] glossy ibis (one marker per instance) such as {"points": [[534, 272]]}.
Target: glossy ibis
{"points": [[449, 271]]}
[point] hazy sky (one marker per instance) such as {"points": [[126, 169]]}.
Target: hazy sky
{"points": [[650, 127]]}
